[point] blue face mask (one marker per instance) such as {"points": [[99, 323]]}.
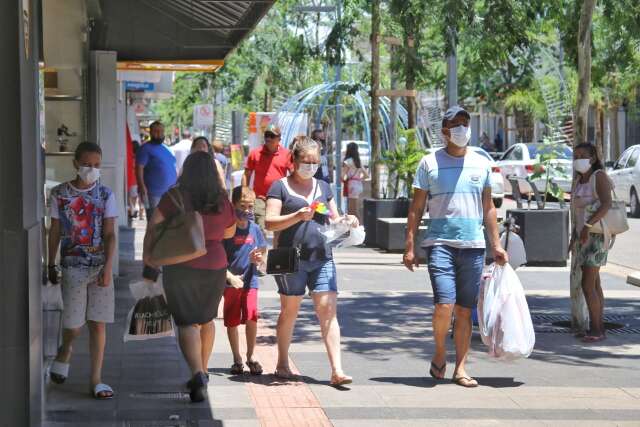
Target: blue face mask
{"points": [[244, 215]]}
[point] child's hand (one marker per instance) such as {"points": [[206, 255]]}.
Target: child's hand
{"points": [[255, 257], [106, 278], [235, 281]]}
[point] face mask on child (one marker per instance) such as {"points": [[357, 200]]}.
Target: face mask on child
{"points": [[88, 174], [243, 215]]}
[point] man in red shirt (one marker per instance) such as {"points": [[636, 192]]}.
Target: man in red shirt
{"points": [[270, 163]]}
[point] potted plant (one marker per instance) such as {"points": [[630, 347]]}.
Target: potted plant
{"points": [[401, 163], [545, 230]]}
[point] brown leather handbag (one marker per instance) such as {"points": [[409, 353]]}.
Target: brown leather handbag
{"points": [[179, 238]]}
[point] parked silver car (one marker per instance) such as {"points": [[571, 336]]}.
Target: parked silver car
{"points": [[626, 178]]}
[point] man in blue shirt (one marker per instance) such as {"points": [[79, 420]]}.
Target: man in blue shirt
{"points": [[155, 169], [457, 183]]}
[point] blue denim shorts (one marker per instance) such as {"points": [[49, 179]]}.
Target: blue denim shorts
{"points": [[455, 274], [317, 276]]}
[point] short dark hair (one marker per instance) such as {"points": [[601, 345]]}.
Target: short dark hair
{"points": [[242, 192], [315, 133], [87, 147], [155, 123]]}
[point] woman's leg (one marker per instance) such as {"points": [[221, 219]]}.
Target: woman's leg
{"points": [[191, 346], [326, 310], [207, 337], [352, 206], [590, 277], [289, 306], [601, 297]]}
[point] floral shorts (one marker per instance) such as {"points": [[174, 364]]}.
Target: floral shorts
{"points": [[593, 253]]}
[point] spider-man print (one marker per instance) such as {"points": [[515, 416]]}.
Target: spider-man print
{"points": [[81, 219], [81, 214]]}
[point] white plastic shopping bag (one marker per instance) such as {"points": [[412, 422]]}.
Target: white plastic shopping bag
{"points": [[334, 234], [52, 297], [149, 318], [503, 314], [515, 249]]}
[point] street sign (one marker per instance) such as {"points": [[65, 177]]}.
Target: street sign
{"points": [[139, 86], [203, 115]]}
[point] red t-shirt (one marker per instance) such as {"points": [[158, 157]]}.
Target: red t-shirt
{"points": [[214, 226], [268, 167]]}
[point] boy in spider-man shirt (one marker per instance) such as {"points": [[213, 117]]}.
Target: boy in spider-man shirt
{"points": [[245, 252], [83, 214]]}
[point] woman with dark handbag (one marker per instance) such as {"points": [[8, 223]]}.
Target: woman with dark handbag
{"points": [[590, 202], [194, 288], [298, 207]]}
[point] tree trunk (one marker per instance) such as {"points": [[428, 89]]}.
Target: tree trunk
{"points": [[410, 80], [615, 136], [579, 312], [599, 129], [584, 70], [375, 101]]}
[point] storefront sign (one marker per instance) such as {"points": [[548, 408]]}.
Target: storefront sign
{"points": [[139, 86]]}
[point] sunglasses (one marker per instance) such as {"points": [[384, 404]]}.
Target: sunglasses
{"points": [[270, 136]]}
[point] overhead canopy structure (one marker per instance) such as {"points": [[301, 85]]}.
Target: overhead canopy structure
{"points": [[177, 35]]}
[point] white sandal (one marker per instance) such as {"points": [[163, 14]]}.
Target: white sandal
{"points": [[102, 388], [59, 372]]}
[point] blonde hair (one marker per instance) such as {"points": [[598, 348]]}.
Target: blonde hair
{"points": [[302, 144]]}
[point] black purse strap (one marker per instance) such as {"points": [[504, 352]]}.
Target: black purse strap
{"points": [[306, 224]]}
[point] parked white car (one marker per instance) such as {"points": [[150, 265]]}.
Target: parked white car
{"points": [[497, 182], [626, 178], [363, 150], [519, 161]]}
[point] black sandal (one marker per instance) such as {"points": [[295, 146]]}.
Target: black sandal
{"points": [[198, 387], [438, 369], [237, 369], [255, 368]]}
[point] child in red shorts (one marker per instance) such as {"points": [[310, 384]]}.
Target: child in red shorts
{"points": [[245, 251]]}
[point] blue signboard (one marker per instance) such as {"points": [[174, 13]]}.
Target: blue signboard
{"points": [[139, 86]]}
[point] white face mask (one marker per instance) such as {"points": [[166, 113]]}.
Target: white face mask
{"points": [[307, 170], [582, 165], [88, 174], [460, 135]]}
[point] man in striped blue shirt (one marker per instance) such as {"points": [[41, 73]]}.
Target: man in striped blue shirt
{"points": [[456, 181]]}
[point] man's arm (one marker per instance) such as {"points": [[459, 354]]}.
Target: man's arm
{"points": [[142, 188], [413, 221], [491, 225], [246, 178]]}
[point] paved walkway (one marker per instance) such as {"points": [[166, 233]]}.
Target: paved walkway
{"points": [[385, 313]]}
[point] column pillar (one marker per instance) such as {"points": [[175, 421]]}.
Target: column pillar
{"points": [[21, 198]]}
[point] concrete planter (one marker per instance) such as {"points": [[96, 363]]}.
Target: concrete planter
{"points": [[545, 233], [381, 208]]}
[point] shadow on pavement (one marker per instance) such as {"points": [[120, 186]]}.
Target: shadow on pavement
{"points": [[379, 327]]}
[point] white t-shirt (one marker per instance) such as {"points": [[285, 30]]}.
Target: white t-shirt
{"points": [[181, 151]]}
